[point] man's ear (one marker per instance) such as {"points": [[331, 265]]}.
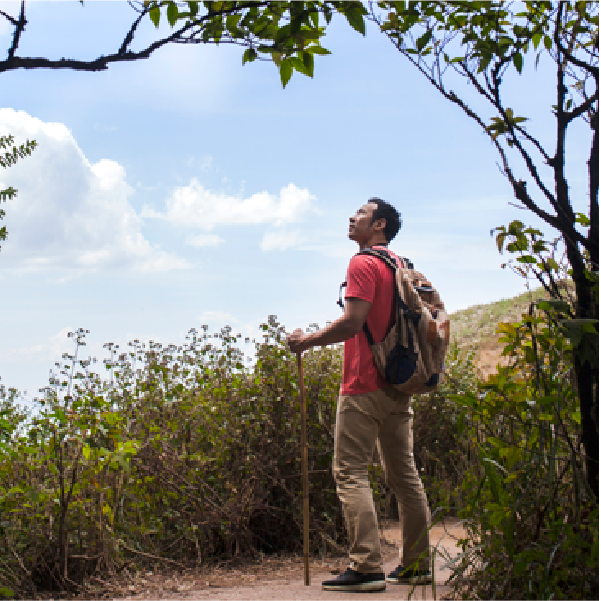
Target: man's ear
{"points": [[379, 224]]}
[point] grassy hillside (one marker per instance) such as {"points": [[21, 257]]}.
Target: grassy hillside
{"points": [[475, 326]]}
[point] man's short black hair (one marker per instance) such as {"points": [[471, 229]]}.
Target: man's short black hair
{"points": [[388, 212]]}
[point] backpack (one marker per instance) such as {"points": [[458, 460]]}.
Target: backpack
{"points": [[411, 356]]}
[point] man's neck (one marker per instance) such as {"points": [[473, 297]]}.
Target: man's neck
{"points": [[376, 241]]}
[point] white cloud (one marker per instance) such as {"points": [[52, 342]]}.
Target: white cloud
{"points": [[280, 240], [196, 206], [52, 348], [205, 240], [204, 163], [217, 319], [69, 212]]}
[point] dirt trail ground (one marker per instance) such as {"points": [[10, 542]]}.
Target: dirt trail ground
{"points": [[282, 578]]}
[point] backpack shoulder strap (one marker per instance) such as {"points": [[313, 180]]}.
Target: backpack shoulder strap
{"points": [[382, 255], [385, 256]]}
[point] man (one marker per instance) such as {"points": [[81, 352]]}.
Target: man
{"points": [[371, 412]]}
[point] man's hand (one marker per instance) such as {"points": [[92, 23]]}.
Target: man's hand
{"points": [[355, 314], [297, 341]]}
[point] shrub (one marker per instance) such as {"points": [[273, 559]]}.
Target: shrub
{"points": [[183, 455], [531, 519]]}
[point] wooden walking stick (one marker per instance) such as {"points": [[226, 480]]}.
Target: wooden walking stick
{"points": [[305, 469]]}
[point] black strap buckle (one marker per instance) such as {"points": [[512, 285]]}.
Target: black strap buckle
{"points": [[340, 302]]}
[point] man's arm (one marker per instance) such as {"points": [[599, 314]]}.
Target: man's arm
{"points": [[355, 314]]}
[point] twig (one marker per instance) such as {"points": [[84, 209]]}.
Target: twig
{"points": [[150, 556], [309, 472], [333, 543]]}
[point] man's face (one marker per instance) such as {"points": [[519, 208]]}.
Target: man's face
{"points": [[361, 227]]}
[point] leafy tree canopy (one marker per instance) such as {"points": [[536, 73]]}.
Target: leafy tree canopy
{"points": [[286, 32]]}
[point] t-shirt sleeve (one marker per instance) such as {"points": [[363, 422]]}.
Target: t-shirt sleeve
{"points": [[361, 278]]}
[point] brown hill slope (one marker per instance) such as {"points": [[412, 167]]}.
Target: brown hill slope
{"points": [[475, 326]]}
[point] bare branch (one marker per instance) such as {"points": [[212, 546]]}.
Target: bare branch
{"points": [[20, 26], [561, 186], [11, 19], [518, 187], [585, 106], [593, 169], [496, 102], [130, 34], [594, 71]]}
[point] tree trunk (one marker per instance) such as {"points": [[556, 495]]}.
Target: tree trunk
{"points": [[587, 376]]}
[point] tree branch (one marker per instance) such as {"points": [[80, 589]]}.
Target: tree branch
{"points": [[519, 188], [102, 62], [585, 106], [594, 71], [593, 169], [561, 185], [496, 84], [20, 26], [130, 34], [9, 18]]}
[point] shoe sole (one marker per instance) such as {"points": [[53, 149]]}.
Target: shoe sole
{"points": [[413, 580], [364, 587]]}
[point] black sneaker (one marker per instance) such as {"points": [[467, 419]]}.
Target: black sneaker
{"points": [[401, 575], [355, 581]]}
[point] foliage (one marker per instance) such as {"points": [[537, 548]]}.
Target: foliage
{"points": [[286, 32], [534, 257], [442, 454], [531, 515], [180, 456], [7, 159], [532, 519], [170, 460]]}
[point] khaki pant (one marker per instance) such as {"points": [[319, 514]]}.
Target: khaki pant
{"points": [[385, 418]]}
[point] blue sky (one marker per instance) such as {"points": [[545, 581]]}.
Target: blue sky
{"points": [[186, 189]]}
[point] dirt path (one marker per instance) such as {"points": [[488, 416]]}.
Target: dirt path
{"points": [[279, 578]]}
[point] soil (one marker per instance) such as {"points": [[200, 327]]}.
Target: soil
{"points": [[282, 577], [490, 355]]}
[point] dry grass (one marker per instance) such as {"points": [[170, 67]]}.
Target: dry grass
{"points": [[475, 326]]}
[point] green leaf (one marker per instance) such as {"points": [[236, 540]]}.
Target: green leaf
{"points": [[423, 40], [172, 13], [285, 75], [250, 54], [298, 64], [355, 18], [6, 592], [308, 63], [548, 43], [317, 50], [155, 15], [518, 61], [231, 22], [536, 38]]}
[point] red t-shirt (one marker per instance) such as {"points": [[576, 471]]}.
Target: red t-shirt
{"points": [[369, 279]]}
